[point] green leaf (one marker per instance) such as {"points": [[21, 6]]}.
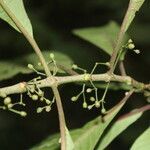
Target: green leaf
{"points": [[143, 141], [19, 65], [92, 132], [117, 128], [103, 37], [17, 8], [85, 137], [134, 6], [53, 143], [70, 144]]}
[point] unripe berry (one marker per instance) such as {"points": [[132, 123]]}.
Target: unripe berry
{"points": [[92, 99], [130, 41], [39, 110], [90, 107], [131, 46], [48, 101], [97, 104], [48, 108], [74, 98], [52, 55], [3, 95], [34, 97], [89, 90], [103, 110], [30, 66], [74, 66], [7, 100], [39, 64], [84, 105], [23, 113]]}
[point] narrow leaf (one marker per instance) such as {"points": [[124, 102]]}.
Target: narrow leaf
{"points": [[117, 128], [102, 37], [134, 6], [17, 8], [143, 141], [70, 144], [92, 132]]}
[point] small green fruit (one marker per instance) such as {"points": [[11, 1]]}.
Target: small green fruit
{"points": [[30, 66], [97, 104], [84, 105], [39, 110], [131, 46], [7, 100], [74, 98], [23, 113], [34, 97], [48, 108]]}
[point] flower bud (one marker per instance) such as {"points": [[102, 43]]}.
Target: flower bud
{"points": [[7, 100], [39, 110], [97, 104], [34, 97], [30, 66], [84, 105], [48, 108], [23, 113], [131, 46]]}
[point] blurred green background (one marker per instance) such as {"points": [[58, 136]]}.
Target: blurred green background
{"points": [[53, 22]]}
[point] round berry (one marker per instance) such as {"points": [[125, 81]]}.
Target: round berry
{"points": [[97, 104], [84, 105], [52, 55], [89, 90], [34, 97], [103, 111], [48, 108], [7, 100], [48, 101], [92, 99], [23, 113], [39, 110], [74, 98], [131, 46], [30, 66], [74, 66]]}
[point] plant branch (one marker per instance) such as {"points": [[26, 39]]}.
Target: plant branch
{"points": [[48, 82], [130, 13], [122, 69], [37, 50]]}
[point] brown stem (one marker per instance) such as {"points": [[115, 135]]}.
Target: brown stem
{"points": [[61, 118], [119, 39], [122, 69]]}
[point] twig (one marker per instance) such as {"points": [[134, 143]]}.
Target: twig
{"points": [[121, 36], [47, 82], [122, 69]]}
